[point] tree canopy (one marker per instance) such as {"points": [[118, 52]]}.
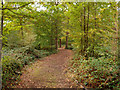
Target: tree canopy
{"points": [[90, 29]]}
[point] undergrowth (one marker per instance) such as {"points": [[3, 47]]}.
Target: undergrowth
{"points": [[15, 59], [95, 73]]}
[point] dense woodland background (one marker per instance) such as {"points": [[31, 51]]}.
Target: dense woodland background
{"points": [[35, 30]]}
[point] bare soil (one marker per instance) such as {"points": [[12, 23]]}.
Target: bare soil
{"points": [[48, 72]]}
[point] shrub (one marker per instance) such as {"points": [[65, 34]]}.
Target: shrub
{"points": [[96, 73], [14, 60]]}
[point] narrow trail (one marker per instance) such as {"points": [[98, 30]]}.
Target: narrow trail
{"points": [[47, 72]]}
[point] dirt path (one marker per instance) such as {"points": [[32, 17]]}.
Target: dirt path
{"points": [[47, 72]]}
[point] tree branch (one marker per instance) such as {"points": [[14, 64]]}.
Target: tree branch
{"points": [[15, 8], [19, 14]]}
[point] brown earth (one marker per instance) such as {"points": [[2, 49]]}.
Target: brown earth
{"points": [[48, 72]]}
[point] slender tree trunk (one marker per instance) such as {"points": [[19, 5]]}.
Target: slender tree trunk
{"points": [[56, 43], [95, 15], [51, 41], [56, 39], [81, 37], [93, 54], [60, 43], [118, 29], [95, 28], [56, 36], [87, 26], [67, 35], [1, 33], [117, 25], [87, 30], [84, 32], [66, 40], [22, 31]]}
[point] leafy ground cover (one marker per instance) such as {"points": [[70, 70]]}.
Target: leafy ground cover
{"points": [[47, 72], [95, 73], [14, 60], [89, 28]]}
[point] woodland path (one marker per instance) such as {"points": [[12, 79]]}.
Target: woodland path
{"points": [[48, 72]]}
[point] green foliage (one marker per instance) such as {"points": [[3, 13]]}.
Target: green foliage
{"points": [[94, 23], [15, 59], [13, 37], [29, 34], [96, 73], [98, 65], [48, 26]]}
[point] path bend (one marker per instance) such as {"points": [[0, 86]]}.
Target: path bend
{"points": [[47, 72]]}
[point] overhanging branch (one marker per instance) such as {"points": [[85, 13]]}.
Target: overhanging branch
{"points": [[15, 8]]}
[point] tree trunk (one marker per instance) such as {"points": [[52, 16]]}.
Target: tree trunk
{"points": [[81, 37], [22, 30], [94, 42], [66, 40], [56, 43], [84, 32], [95, 15], [56, 36], [1, 33], [87, 31], [51, 41], [87, 26], [60, 43], [1, 30]]}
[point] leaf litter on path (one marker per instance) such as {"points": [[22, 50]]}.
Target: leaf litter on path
{"points": [[47, 72]]}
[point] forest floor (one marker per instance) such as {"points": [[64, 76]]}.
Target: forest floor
{"points": [[48, 72]]}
